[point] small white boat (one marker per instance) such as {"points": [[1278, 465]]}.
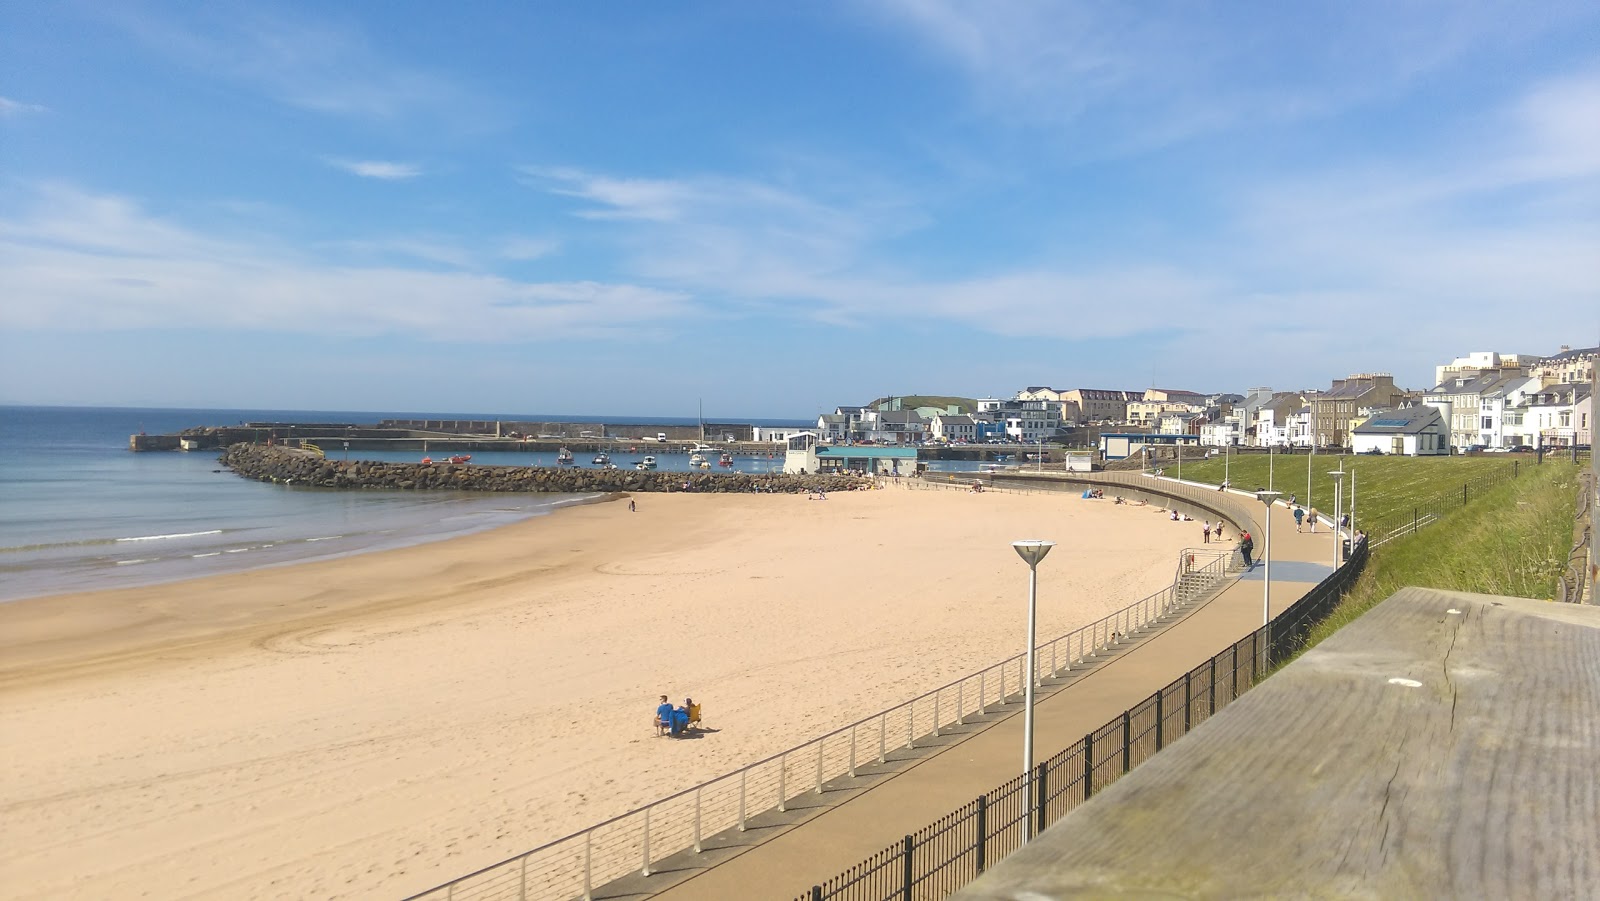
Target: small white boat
{"points": [[601, 459], [646, 463], [696, 458], [564, 458]]}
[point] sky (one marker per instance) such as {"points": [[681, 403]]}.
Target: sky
{"points": [[773, 209]]}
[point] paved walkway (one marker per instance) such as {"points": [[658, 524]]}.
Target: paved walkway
{"points": [[827, 843]]}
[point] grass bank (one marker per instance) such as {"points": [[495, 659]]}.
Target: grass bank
{"points": [[1386, 487], [1513, 539]]}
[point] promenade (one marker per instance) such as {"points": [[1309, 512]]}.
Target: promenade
{"points": [[794, 857]]}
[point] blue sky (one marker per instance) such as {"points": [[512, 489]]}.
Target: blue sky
{"points": [[625, 208]]}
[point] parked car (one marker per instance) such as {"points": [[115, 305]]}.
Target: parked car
{"points": [[1522, 449], [1374, 452], [1474, 448]]}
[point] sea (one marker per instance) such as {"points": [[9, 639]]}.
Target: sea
{"points": [[81, 512]]}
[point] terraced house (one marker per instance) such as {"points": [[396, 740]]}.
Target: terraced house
{"points": [[1332, 410]]}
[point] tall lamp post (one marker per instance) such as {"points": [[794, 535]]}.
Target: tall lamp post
{"points": [[1267, 497], [1031, 551], [1338, 482]]}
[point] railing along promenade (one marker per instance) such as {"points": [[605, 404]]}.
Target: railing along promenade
{"points": [[951, 851], [631, 843]]}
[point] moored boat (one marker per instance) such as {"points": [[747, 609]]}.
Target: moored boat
{"points": [[564, 457], [601, 459], [646, 463]]}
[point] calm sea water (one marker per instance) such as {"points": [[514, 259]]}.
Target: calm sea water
{"points": [[79, 511]]}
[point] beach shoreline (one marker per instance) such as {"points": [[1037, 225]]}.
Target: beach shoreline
{"points": [[379, 723]]}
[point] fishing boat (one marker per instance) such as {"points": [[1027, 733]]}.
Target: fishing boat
{"points": [[564, 458], [457, 458], [725, 460], [601, 459], [646, 463], [697, 458]]}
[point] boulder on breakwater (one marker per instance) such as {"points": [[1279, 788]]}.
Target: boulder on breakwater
{"points": [[292, 466]]}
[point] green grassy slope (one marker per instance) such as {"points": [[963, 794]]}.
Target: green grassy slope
{"points": [[1511, 540], [1385, 486]]}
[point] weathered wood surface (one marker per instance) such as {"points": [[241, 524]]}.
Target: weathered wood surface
{"points": [[1337, 778]]}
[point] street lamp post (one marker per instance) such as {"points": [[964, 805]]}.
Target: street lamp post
{"points": [[1338, 482], [1267, 497], [1269, 464], [1031, 551]]}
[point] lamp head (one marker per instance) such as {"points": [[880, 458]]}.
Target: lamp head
{"points": [[1267, 497], [1032, 550], [1336, 473]]}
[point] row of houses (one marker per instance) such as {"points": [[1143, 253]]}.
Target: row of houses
{"points": [[1482, 400]]}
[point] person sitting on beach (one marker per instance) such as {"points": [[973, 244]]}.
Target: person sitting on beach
{"points": [[1174, 515], [1120, 500], [663, 715], [680, 722]]}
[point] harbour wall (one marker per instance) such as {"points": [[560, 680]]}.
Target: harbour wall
{"points": [[293, 466]]}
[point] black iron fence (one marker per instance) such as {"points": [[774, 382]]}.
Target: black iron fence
{"points": [[948, 853]]}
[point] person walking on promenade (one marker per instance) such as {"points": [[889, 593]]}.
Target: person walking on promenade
{"points": [[631, 507], [1217, 529], [1246, 546], [1311, 520], [1299, 514], [1207, 531]]}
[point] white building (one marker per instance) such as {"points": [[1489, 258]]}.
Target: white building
{"points": [[1227, 433], [955, 429], [1411, 431]]}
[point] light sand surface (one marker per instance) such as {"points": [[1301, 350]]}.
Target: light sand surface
{"points": [[371, 726]]}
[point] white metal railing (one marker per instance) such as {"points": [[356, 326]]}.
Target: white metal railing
{"points": [[573, 866]]}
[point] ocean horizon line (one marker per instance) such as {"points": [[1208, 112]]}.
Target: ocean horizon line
{"points": [[618, 419]]}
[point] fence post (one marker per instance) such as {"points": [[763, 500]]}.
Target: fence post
{"points": [[983, 691], [522, 881], [1127, 741], [961, 703], [646, 870], [820, 742], [1088, 765], [936, 692], [1463, 494], [852, 751], [906, 872], [1255, 647], [883, 738], [816, 893], [983, 829], [1211, 689], [1161, 717], [1413, 520], [911, 724], [1188, 701], [742, 774], [588, 861], [1040, 795], [783, 778], [697, 846]]}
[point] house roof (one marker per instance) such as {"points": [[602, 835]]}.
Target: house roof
{"points": [[1403, 421], [957, 419], [905, 417], [1576, 353]]}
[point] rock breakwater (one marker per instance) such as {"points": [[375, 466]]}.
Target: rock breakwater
{"points": [[292, 466]]}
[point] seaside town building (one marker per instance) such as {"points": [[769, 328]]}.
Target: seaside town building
{"points": [[1567, 367], [1479, 362], [956, 428], [1560, 416], [1099, 404], [1418, 431], [1275, 419], [1332, 410]]}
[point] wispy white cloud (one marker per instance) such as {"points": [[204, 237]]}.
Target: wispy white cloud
{"points": [[9, 107], [318, 65], [75, 260], [1130, 77], [380, 169]]}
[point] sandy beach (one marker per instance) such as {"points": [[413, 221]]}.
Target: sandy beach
{"points": [[371, 726]]}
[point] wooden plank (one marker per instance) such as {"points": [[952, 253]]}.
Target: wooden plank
{"points": [[1443, 745]]}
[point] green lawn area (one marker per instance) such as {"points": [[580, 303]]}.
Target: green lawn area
{"points": [[1513, 540], [1385, 486]]}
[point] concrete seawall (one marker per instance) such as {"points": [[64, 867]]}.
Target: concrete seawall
{"points": [[292, 466]]}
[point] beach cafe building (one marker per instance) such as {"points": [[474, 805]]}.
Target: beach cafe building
{"points": [[807, 454], [1123, 446]]}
